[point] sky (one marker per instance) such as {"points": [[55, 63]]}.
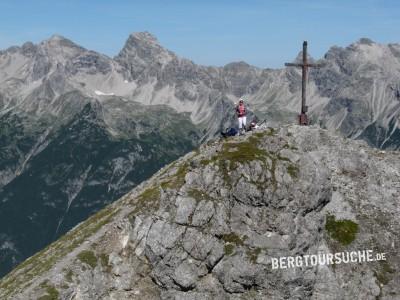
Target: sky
{"points": [[262, 33]]}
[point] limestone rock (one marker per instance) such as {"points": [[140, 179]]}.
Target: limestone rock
{"points": [[183, 235]]}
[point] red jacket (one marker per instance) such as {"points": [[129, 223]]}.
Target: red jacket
{"points": [[241, 110]]}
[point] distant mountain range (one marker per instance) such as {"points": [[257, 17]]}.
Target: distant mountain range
{"points": [[79, 129]]}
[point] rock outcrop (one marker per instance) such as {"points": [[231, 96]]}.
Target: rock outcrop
{"points": [[79, 129], [210, 225]]}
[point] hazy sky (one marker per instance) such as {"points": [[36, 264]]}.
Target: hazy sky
{"points": [[262, 33]]}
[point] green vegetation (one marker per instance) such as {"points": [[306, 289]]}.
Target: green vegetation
{"points": [[271, 131], [68, 276], [231, 241], [150, 194], [104, 259], [293, 170], [252, 254], [167, 168], [178, 179], [205, 162], [229, 249], [240, 152], [199, 195], [343, 231], [146, 200], [88, 257], [234, 153], [52, 292], [384, 273], [233, 238]]}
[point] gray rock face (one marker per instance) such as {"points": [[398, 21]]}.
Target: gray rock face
{"points": [[357, 92], [210, 225], [48, 84], [185, 207]]}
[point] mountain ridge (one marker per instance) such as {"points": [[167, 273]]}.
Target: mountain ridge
{"points": [[150, 91], [151, 74], [208, 225]]}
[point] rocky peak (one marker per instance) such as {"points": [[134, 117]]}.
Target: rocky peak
{"points": [[237, 66], [299, 58], [208, 226], [29, 49], [367, 48], [365, 41], [240, 68], [60, 49], [56, 38], [144, 37], [58, 41], [142, 50], [366, 57]]}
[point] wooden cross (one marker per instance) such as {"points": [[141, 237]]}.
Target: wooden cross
{"points": [[303, 119]]}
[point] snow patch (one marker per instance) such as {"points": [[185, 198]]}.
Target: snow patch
{"points": [[100, 93]]}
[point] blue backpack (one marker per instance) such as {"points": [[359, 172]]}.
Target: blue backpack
{"points": [[229, 132]]}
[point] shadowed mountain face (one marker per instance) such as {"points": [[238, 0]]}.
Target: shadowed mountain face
{"points": [[75, 170], [211, 224], [78, 129]]}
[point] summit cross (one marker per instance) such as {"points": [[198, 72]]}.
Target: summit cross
{"points": [[303, 119]]}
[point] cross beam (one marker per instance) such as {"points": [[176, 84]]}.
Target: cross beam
{"points": [[303, 119]]}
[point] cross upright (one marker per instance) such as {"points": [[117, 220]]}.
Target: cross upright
{"points": [[303, 119]]}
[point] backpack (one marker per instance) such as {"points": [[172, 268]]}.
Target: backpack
{"points": [[229, 132], [232, 132]]}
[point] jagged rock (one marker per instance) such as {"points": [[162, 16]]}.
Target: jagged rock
{"points": [[47, 88], [185, 208], [203, 247], [181, 235], [203, 213], [148, 94]]}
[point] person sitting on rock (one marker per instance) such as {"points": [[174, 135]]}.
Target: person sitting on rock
{"points": [[241, 114]]}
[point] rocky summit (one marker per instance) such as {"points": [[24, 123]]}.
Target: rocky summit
{"points": [[224, 221], [79, 129]]}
